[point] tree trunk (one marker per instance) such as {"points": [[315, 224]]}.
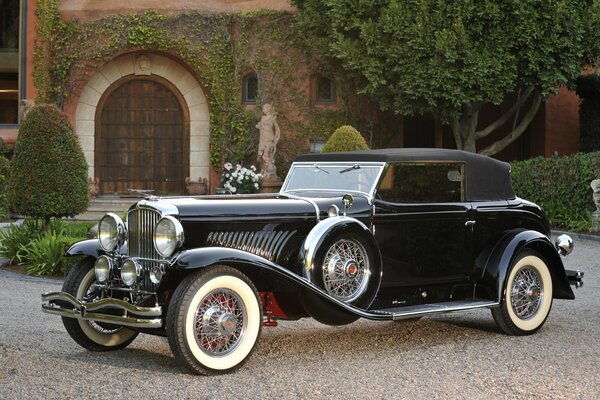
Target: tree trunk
{"points": [[463, 127], [466, 135]]}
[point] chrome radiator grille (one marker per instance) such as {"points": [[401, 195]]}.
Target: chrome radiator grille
{"points": [[266, 244], [141, 224]]}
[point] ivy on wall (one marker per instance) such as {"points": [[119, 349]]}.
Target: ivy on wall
{"points": [[219, 48]]}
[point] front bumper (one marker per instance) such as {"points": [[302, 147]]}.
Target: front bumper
{"points": [[109, 310]]}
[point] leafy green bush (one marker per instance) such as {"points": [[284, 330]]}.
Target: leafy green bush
{"points": [[48, 171], [4, 171], [561, 186], [345, 138], [45, 254], [13, 238], [40, 252]]}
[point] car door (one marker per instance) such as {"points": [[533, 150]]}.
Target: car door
{"points": [[423, 227]]}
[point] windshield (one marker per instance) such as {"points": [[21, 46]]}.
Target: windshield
{"points": [[346, 177]]}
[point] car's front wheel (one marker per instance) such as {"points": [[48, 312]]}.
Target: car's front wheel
{"points": [[527, 296], [214, 320], [89, 334]]}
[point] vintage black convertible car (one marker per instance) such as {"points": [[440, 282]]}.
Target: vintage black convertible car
{"points": [[385, 235]]}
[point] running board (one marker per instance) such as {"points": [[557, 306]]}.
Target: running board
{"points": [[409, 312]]}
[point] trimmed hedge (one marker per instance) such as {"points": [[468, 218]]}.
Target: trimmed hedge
{"points": [[560, 185], [345, 138], [48, 176]]}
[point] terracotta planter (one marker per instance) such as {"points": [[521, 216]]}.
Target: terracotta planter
{"points": [[196, 188]]}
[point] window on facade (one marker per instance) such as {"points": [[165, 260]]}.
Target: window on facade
{"points": [[324, 89], [423, 183], [9, 61], [250, 88]]}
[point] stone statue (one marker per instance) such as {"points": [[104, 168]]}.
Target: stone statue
{"points": [[596, 214], [596, 188], [24, 107], [267, 145]]}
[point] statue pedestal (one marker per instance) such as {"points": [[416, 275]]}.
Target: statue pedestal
{"points": [[596, 221], [270, 185]]}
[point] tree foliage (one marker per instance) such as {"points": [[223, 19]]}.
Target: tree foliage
{"points": [[345, 138], [449, 58], [48, 171]]}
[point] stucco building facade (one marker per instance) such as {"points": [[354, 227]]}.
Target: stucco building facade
{"points": [[147, 113]]}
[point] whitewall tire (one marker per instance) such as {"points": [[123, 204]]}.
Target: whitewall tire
{"points": [[214, 320], [89, 334], [527, 296]]}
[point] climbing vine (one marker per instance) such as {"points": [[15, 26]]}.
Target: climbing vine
{"points": [[219, 48]]}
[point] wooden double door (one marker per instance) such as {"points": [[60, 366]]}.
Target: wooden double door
{"points": [[142, 137]]}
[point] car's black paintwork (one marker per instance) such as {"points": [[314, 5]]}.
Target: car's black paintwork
{"points": [[428, 252]]}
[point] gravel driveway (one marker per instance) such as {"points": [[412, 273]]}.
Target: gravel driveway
{"points": [[452, 356]]}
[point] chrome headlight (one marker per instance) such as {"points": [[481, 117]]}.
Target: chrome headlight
{"points": [[103, 267], [130, 270], [111, 232], [156, 274], [168, 236]]}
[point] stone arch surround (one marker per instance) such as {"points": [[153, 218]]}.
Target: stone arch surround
{"points": [[147, 64]]}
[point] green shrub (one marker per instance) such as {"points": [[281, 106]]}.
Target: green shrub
{"points": [[40, 252], [48, 171], [4, 171], [561, 186], [45, 254], [345, 138], [13, 238]]}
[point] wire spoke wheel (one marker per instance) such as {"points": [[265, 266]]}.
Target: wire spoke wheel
{"points": [[346, 269], [214, 320], [526, 292], [527, 296], [220, 322]]}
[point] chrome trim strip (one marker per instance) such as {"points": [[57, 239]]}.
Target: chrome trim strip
{"points": [[82, 310], [309, 201], [411, 312], [266, 244]]}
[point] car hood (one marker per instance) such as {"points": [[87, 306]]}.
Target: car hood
{"points": [[273, 206]]}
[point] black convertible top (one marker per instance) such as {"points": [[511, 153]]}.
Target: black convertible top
{"points": [[486, 178]]}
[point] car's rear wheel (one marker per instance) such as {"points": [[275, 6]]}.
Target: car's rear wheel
{"points": [[527, 296], [89, 334], [214, 320]]}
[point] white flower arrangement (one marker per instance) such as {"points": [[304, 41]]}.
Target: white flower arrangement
{"points": [[240, 179]]}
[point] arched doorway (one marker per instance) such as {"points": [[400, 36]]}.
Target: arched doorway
{"points": [[142, 137]]}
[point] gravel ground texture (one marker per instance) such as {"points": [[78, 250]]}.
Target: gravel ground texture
{"points": [[450, 356]]}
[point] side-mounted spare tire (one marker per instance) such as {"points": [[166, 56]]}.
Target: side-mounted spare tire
{"points": [[347, 266]]}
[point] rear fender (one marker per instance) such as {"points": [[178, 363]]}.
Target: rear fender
{"points": [[494, 263]]}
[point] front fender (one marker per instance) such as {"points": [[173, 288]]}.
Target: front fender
{"points": [[265, 274], [494, 263], [90, 247]]}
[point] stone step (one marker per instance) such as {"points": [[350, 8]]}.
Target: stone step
{"points": [[99, 206]]}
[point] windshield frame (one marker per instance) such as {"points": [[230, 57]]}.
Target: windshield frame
{"points": [[339, 164]]}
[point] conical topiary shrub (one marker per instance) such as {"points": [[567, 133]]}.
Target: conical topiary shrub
{"points": [[48, 176], [345, 138]]}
